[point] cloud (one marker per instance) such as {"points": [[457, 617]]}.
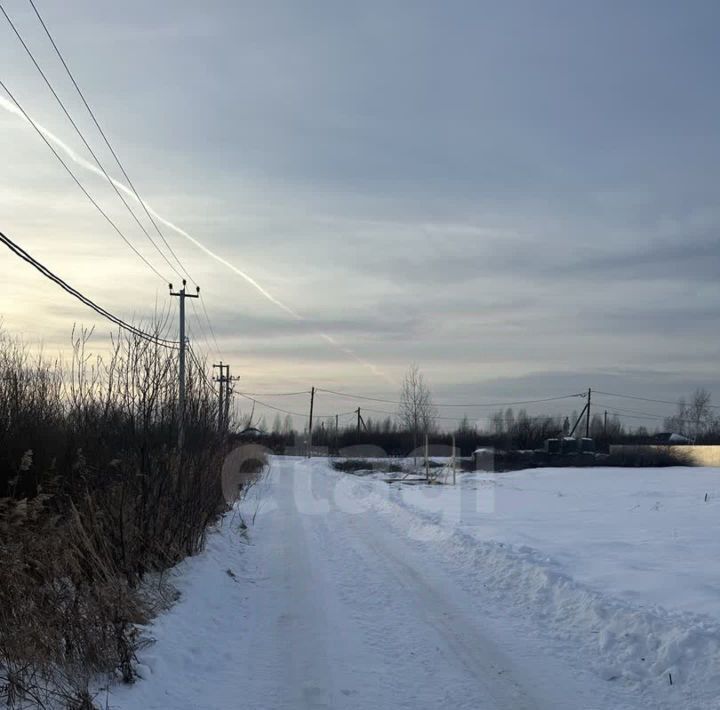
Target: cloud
{"points": [[492, 191]]}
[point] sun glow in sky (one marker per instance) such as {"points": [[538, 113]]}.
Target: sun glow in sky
{"points": [[522, 197]]}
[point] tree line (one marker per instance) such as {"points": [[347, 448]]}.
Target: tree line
{"points": [[507, 428]]}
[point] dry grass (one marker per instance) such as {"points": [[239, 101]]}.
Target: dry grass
{"points": [[93, 498]]}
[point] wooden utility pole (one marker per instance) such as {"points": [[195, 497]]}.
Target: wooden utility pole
{"points": [[224, 392], [310, 425], [359, 420], [228, 391], [605, 424], [453, 458], [182, 295], [228, 394], [587, 416], [221, 391], [427, 460]]}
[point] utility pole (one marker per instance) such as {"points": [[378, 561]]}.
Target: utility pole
{"points": [[182, 295], [228, 394], [454, 465], [221, 392], [605, 425], [337, 417], [224, 392], [359, 420], [427, 460], [587, 417], [312, 404]]}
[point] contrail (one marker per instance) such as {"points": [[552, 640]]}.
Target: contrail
{"points": [[87, 165]]}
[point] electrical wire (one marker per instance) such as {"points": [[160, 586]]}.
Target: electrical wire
{"points": [[97, 160], [294, 414], [628, 411], [276, 409], [25, 256], [635, 416], [120, 165], [84, 141], [436, 404], [379, 411], [645, 399], [80, 185], [203, 376], [646, 415], [115, 156], [212, 330], [198, 322], [107, 141], [274, 394]]}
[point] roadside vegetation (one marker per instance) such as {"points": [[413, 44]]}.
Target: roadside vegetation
{"points": [[95, 504]]}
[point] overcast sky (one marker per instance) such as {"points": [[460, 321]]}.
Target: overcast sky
{"points": [[520, 196]]}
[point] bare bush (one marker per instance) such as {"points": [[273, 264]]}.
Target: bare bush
{"points": [[93, 496]]}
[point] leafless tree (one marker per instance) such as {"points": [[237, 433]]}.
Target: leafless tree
{"points": [[694, 419], [700, 412], [497, 422], [417, 411]]}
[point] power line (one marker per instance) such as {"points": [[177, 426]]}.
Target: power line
{"points": [[629, 411], [379, 411], [212, 330], [646, 415], [468, 404], [358, 396], [274, 394], [79, 184], [25, 256], [294, 414], [201, 371], [646, 399], [115, 156], [199, 324], [85, 143], [108, 144], [270, 406], [172, 315], [634, 416]]}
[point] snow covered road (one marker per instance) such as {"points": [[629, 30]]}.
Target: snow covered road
{"points": [[337, 597]]}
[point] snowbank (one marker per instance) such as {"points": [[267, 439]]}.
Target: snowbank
{"points": [[623, 565]]}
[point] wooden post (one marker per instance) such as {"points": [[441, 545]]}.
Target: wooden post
{"points": [[312, 402], [427, 462], [453, 458]]}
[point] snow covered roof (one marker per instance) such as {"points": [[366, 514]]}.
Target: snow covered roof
{"points": [[252, 431]]}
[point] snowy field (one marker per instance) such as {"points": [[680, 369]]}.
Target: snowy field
{"points": [[585, 589], [647, 536]]}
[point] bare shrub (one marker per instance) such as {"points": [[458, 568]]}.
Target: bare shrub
{"points": [[94, 495]]}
